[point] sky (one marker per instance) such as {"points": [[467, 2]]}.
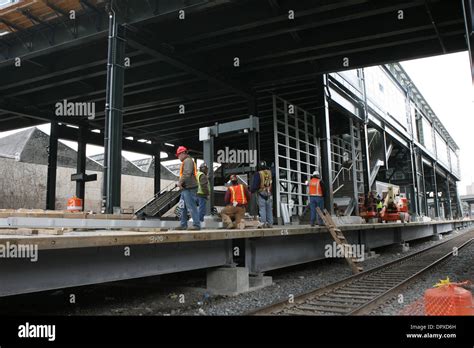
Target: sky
{"points": [[445, 82]]}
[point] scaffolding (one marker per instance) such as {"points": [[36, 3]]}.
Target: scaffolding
{"points": [[297, 154]]}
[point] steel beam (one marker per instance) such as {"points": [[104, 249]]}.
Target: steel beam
{"points": [[139, 44], [52, 166], [109, 264], [114, 115], [136, 11]]}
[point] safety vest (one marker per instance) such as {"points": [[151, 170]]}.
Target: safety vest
{"points": [[200, 190], [265, 180], [315, 188], [379, 205], [182, 167], [238, 194]]}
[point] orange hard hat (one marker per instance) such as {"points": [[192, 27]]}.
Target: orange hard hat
{"points": [[181, 149]]}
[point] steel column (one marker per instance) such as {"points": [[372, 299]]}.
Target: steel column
{"points": [[326, 164], [254, 145], [448, 190], [435, 189], [414, 177], [81, 162], [208, 154], [354, 167], [52, 166], [364, 140], [157, 170], [113, 108]]}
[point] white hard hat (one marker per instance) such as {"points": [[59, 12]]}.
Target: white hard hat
{"points": [[316, 173]]}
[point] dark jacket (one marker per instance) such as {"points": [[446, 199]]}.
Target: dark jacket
{"points": [[188, 180]]}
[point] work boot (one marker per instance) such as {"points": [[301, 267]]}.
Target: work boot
{"points": [[194, 228], [181, 228], [241, 225], [261, 225], [230, 226], [268, 225]]}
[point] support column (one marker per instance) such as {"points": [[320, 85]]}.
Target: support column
{"points": [[208, 153], [113, 110], [414, 176], [354, 165], [365, 141], [448, 198], [254, 145], [81, 163], [435, 189], [365, 158], [325, 141], [157, 170], [52, 166], [425, 199]]}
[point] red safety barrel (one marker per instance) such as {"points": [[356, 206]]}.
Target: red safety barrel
{"points": [[74, 204], [448, 299]]}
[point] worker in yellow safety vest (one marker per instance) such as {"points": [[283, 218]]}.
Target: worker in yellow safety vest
{"points": [[236, 200], [316, 197], [203, 190]]}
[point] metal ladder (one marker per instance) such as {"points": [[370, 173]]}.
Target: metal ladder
{"points": [[339, 238]]}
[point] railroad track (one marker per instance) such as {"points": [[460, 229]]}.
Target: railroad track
{"points": [[361, 293]]}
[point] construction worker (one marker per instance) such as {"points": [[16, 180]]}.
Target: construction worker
{"points": [[188, 185], [236, 199], [262, 183], [316, 197], [203, 190], [379, 205]]}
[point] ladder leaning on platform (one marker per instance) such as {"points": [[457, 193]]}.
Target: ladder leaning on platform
{"points": [[339, 238]]}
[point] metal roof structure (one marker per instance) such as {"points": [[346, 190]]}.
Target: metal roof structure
{"points": [[279, 45]]}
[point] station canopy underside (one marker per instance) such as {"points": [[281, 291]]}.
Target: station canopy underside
{"points": [[192, 61]]}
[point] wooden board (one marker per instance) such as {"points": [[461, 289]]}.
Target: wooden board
{"points": [[34, 231]]}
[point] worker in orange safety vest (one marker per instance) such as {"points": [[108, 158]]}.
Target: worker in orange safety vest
{"points": [[316, 197], [236, 200]]}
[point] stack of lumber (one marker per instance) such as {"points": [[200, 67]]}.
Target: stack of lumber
{"points": [[40, 213]]}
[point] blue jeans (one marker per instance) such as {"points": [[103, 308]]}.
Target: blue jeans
{"points": [[189, 198], [201, 202], [316, 201], [265, 209]]}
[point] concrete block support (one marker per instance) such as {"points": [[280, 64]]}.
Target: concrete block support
{"points": [[228, 280]]}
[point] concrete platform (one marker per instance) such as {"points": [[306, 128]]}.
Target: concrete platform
{"points": [[89, 257]]}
